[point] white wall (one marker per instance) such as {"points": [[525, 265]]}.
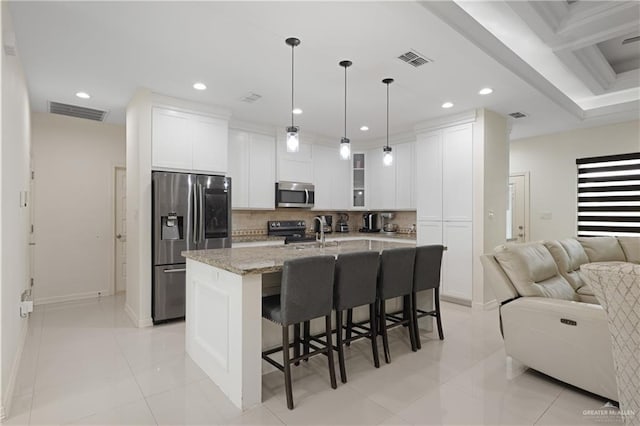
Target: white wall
{"points": [[74, 161], [14, 218], [551, 161]]}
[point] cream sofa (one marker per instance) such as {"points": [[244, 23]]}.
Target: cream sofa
{"points": [[550, 319]]}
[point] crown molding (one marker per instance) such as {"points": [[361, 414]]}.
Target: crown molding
{"points": [[446, 121]]}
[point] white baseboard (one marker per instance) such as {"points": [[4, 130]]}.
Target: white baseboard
{"points": [[456, 300], [487, 306], [72, 297], [138, 322], [7, 397]]}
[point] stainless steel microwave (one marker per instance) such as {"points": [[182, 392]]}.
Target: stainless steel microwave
{"points": [[294, 194]]}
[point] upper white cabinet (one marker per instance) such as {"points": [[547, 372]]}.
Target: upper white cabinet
{"points": [[187, 141], [359, 192], [391, 187], [457, 173], [429, 177], [405, 175], [330, 178], [252, 170], [295, 166]]}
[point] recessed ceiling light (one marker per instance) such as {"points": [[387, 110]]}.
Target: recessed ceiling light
{"points": [[199, 86], [364, 128], [485, 91], [447, 105], [297, 111], [83, 95]]}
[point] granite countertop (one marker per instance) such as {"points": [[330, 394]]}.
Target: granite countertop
{"points": [[331, 236], [260, 260]]}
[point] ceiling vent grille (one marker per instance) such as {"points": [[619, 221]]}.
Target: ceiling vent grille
{"points": [[77, 111], [250, 97], [414, 58], [518, 115]]}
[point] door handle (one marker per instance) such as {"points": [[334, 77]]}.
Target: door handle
{"points": [[120, 236], [173, 271]]}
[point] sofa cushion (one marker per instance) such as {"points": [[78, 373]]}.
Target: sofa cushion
{"points": [[631, 248], [586, 290], [602, 249], [533, 272], [569, 256]]}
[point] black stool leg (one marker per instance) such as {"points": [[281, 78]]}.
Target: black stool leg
{"points": [[412, 329], [332, 368], [296, 342], [374, 334], [339, 343], [383, 327], [406, 310], [307, 333], [438, 319], [414, 318], [287, 366], [349, 325]]}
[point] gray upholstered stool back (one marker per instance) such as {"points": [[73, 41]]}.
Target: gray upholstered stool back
{"points": [[307, 288], [396, 272], [355, 280], [426, 273]]}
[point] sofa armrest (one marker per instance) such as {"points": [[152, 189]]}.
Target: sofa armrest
{"points": [[564, 339]]}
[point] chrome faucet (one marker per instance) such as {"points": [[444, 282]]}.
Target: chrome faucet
{"points": [[322, 224]]}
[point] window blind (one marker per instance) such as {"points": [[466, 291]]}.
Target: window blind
{"points": [[609, 195]]}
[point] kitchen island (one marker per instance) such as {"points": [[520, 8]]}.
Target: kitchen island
{"points": [[224, 290]]}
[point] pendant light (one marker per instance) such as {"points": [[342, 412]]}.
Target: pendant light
{"points": [[293, 141], [345, 145], [387, 157]]}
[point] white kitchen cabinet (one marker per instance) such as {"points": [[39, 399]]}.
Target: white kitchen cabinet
{"points": [[405, 176], [239, 168], [172, 147], [189, 142], [359, 182], [295, 166], [331, 179], [382, 182], [252, 170], [457, 261], [262, 171], [428, 169], [429, 232], [457, 173]]}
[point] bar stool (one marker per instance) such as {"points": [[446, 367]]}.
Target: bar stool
{"points": [[426, 276], [395, 279], [355, 285], [306, 293]]}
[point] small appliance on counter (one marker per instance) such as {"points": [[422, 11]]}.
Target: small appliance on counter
{"points": [[294, 231], [388, 228], [370, 221], [343, 223], [327, 220]]}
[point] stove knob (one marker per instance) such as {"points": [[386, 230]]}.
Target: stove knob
{"points": [[278, 224]]}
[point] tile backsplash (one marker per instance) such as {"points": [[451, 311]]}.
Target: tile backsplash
{"points": [[254, 222]]}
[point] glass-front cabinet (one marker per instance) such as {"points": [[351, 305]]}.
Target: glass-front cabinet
{"points": [[358, 180]]}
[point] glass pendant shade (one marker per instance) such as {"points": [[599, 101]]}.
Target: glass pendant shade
{"points": [[345, 149], [293, 140], [387, 156]]}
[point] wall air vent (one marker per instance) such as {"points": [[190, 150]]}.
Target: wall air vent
{"points": [[414, 58], [77, 111], [517, 115], [250, 97]]}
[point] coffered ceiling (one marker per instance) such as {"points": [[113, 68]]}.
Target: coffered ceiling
{"points": [[109, 49]]}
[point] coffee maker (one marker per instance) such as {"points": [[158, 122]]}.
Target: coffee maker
{"points": [[371, 222], [343, 223]]}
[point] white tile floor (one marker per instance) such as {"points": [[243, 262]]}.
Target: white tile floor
{"points": [[85, 363]]}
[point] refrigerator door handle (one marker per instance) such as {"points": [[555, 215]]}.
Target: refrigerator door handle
{"points": [[201, 213], [195, 213]]}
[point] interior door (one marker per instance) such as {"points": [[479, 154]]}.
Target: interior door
{"points": [[516, 209], [120, 205]]}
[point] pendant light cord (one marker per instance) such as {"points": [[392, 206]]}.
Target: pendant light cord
{"points": [[292, 77], [387, 115], [345, 102]]}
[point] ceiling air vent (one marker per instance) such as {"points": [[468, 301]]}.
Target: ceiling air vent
{"points": [[518, 115], [77, 111], [250, 97], [414, 58]]}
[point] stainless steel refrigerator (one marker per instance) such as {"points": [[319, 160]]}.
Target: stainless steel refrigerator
{"points": [[190, 212]]}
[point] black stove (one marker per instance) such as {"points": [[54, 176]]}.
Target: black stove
{"points": [[294, 231]]}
